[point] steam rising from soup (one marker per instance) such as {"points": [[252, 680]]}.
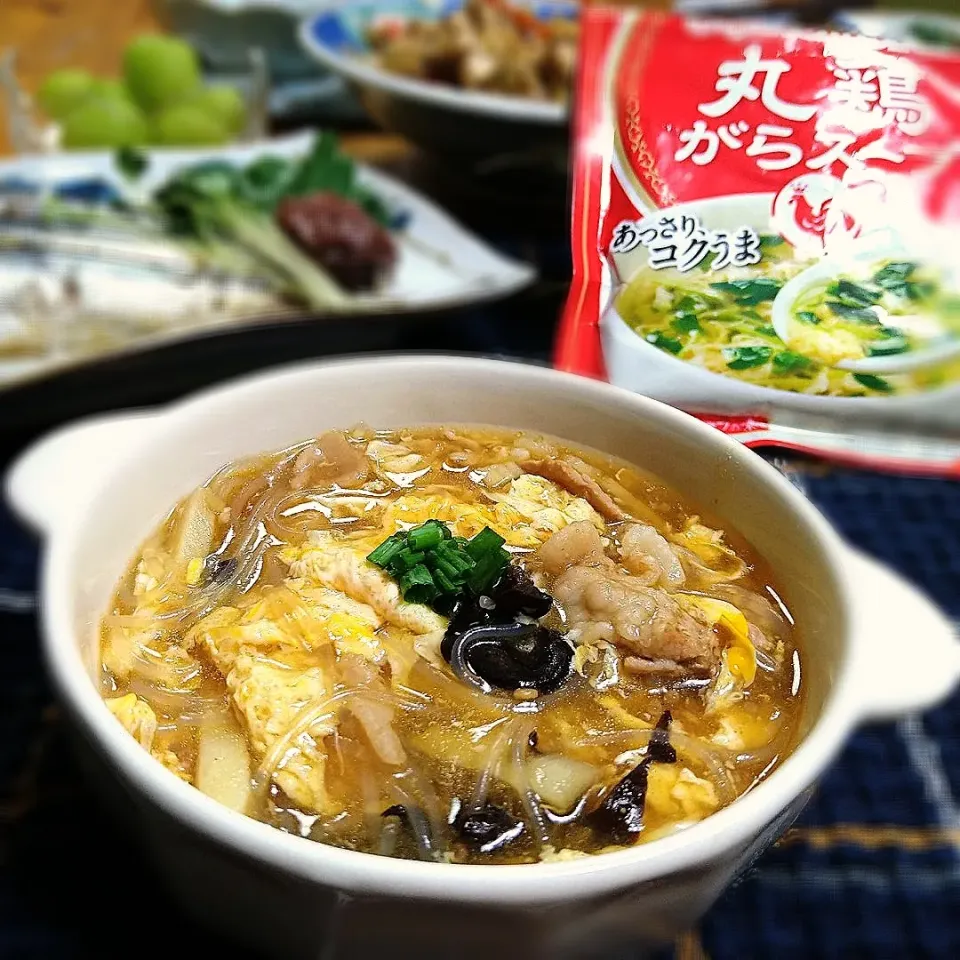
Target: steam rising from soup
{"points": [[453, 644]]}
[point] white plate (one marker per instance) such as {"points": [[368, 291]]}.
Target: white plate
{"points": [[441, 265]]}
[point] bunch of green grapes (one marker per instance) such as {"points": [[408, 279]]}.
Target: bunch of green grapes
{"points": [[160, 100]]}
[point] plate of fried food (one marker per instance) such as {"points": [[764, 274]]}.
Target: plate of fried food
{"points": [[476, 77]]}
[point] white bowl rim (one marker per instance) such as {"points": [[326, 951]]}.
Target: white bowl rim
{"points": [[711, 839], [514, 109]]}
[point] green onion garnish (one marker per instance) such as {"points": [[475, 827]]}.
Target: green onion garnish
{"points": [[427, 537], [418, 585], [433, 567], [384, 555], [486, 541]]}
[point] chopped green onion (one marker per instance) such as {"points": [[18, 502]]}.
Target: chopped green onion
{"points": [[426, 537], [448, 586], [454, 556], [388, 550], [439, 565], [696, 302], [707, 262], [434, 567], [488, 570], [920, 289], [406, 560], [808, 316], [418, 586], [486, 541]]}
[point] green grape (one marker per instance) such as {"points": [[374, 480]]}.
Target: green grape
{"points": [[63, 91], [110, 88], [160, 71], [225, 105], [104, 122], [187, 125]]}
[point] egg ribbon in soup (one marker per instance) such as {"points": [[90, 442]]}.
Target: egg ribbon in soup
{"points": [[721, 321], [457, 644]]}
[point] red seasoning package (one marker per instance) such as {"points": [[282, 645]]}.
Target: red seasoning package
{"points": [[765, 233]]}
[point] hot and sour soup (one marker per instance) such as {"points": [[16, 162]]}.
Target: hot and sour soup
{"points": [[458, 644]]}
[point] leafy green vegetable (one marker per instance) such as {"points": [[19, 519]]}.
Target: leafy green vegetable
{"points": [[326, 169], [748, 293], [661, 340], [696, 303], [685, 323], [871, 382], [767, 330], [771, 240], [131, 162], [265, 182], [808, 316], [859, 314], [742, 358], [895, 278], [893, 274], [225, 206], [919, 289], [707, 262], [786, 361], [205, 202], [852, 294], [888, 347]]}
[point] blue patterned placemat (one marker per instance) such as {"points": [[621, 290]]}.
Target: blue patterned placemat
{"points": [[872, 870]]}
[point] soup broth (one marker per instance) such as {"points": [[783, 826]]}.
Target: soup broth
{"points": [[455, 644], [721, 321]]}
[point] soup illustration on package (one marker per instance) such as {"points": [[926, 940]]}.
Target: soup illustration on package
{"points": [[762, 233]]}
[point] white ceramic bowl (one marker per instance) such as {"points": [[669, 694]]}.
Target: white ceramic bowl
{"points": [[440, 117], [95, 490], [633, 363]]}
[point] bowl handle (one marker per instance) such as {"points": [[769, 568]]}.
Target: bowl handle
{"points": [[48, 482], [907, 651]]}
